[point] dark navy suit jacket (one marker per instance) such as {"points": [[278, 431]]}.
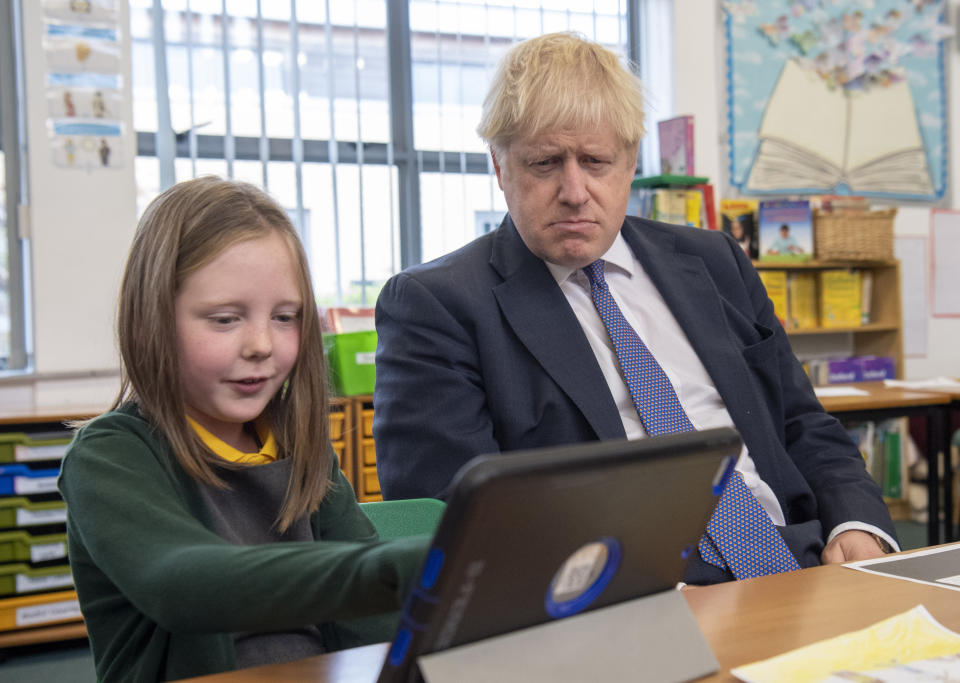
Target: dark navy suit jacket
{"points": [[479, 352]]}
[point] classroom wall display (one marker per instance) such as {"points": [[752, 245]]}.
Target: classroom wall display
{"points": [[82, 46], [81, 10], [837, 96]]}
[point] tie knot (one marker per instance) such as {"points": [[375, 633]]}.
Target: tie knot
{"points": [[594, 273]]}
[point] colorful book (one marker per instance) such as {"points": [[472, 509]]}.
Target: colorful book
{"points": [[695, 208], [738, 218], [803, 309], [709, 206], [676, 145], [670, 206], [775, 282], [866, 296], [785, 228], [840, 298]]}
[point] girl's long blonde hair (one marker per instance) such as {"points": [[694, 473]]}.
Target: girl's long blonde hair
{"points": [[182, 230]]}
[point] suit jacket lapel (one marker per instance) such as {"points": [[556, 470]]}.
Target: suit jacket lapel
{"points": [[535, 308]]}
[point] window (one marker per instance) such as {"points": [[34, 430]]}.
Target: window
{"points": [[358, 117], [13, 340]]}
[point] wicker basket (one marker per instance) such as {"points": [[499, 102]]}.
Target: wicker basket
{"points": [[850, 235]]}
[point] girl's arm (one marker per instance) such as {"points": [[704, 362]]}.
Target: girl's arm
{"points": [[132, 520]]}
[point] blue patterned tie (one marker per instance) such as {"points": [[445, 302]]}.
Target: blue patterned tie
{"points": [[740, 535]]}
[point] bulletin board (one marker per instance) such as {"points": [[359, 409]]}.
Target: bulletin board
{"points": [[837, 97]]}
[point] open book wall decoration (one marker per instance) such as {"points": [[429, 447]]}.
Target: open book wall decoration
{"points": [[837, 96]]}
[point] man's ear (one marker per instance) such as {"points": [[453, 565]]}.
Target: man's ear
{"points": [[496, 167]]}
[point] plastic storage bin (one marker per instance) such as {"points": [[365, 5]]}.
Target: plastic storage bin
{"points": [[21, 480], [21, 546], [18, 512], [20, 447], [39, 610], [22, 578], [350, 356]]}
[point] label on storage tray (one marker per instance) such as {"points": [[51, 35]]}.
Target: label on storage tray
{"points": [[34, 517], [25, 485], [48, 551], [24, 453], [64, 610], [28, 584], [365, 357]]}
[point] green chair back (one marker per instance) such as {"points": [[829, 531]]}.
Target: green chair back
{"points": [[400, 518]]}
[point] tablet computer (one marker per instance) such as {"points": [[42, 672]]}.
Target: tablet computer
{"points": [[532, 536]]}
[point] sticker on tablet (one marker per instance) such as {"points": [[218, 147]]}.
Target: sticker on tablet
{"points": [[582, 577]]}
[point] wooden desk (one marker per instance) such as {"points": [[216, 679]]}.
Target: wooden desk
{"points": [[882, 402], [744, 621]]}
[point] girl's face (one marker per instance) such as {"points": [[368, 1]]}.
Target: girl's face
{"points": [[238, 334]]}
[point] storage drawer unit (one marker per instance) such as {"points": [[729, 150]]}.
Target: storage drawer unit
{"points": [[341, 436], [368, 485], [36, 596]]}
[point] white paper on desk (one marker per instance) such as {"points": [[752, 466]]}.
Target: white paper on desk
{"points": [[912, 636], [932, 566], [934, 383], [839, 391], [945, 669]]}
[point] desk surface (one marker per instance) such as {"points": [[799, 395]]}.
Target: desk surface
{"points": [[879, 396], [743, 621]]}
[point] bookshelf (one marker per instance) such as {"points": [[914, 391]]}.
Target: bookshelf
{"points": [[883, 335]]}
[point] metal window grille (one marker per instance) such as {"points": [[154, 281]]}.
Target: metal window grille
{"points": [[358, 117]]}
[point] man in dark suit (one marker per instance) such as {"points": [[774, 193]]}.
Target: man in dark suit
{"points": [[498, 346]]}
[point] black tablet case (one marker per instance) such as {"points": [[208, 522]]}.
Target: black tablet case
{"points": [[513, 519]]}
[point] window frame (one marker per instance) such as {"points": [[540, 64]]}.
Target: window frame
{"points": [[399, 151], [13, 148]]}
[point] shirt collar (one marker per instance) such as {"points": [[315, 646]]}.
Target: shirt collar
{"points": [[266, 454], [619, 254]]}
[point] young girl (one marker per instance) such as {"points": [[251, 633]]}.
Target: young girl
{"points": [[209, 525]]}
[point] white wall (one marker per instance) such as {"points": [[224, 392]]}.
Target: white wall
{"points": [[698, 55], [80, 227]]}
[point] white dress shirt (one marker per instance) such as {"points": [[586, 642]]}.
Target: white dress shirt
{"points": [[646, 311]]}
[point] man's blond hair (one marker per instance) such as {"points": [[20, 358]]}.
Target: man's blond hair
{"points": [[560, 81]]}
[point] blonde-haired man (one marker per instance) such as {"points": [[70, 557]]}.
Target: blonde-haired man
{"points": [[502, 345]]}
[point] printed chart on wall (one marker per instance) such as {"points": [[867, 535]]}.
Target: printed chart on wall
{"points": [[837, 97], [944, 247], [81, 42], [911, 251]]}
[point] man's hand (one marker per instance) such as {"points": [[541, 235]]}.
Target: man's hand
{"points": [[851, 545]]}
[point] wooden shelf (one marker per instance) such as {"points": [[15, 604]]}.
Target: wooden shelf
{"points": [[883, 336], [871, 327], [43, 634], [821, 265]]}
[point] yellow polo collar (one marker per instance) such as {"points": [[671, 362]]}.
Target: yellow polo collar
{"points": [[266, 454]]}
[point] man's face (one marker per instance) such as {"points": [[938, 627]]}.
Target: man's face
{"points": [[567, 191]]}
